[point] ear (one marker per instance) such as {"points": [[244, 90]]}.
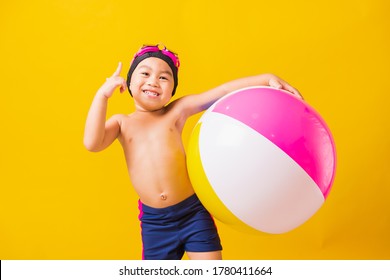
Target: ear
{"points": [[130, 90]]}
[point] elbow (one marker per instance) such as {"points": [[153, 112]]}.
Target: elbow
{"points": [[90, 145]]}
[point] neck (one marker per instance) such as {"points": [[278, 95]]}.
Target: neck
{"points": [[153, 112]]}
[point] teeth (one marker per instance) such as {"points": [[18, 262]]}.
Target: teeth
{"points": [[150, 93]]}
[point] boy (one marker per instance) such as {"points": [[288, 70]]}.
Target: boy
{"points": [[173, 220]]}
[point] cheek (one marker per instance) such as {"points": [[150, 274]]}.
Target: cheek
{"points": [[134, 84], [169, 86]]}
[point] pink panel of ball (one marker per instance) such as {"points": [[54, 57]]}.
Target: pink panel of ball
{"points": [[291, 124]]}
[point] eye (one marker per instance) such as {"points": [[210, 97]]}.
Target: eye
{"points": [[144, 74], [163, 78]]}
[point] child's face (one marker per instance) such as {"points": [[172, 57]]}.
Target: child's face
{"points": [[152, 84]]}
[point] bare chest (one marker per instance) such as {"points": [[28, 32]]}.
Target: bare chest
{"points": [[146, 133]]}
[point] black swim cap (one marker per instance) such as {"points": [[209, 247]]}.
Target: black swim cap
{"points": [[157, 54]]}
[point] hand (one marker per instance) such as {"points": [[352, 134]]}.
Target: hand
{"points": [[108, 88], [278, 83]]}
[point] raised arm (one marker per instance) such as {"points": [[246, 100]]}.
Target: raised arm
{"points": [[99, 133], [192, 104]]}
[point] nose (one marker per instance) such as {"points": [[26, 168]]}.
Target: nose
{"points": [[152, 81]]}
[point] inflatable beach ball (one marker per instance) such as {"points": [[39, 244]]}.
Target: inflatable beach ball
{"points": [[261, 159]]}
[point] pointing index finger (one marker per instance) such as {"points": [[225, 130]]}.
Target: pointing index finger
{"points": [[118, 70]]}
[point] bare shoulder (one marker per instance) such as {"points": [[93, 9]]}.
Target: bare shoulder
{"points": [[118, 121], [119, 118]]}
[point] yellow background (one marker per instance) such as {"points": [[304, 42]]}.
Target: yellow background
{"points": [[59, 201]]}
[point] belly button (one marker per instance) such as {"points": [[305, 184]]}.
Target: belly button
{"points": [[163, 197]]}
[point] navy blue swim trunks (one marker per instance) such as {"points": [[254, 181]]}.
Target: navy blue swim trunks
{"points": [[169, 232]]}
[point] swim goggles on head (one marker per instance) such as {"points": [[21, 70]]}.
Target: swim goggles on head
{"points": [[158, 48]]}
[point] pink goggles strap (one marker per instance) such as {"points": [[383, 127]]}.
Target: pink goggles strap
{"points": [[157, 48]]}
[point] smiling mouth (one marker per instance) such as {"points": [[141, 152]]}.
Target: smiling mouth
{"points": [[150, 93]]}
